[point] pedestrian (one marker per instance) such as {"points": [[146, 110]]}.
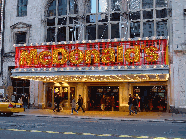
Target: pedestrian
{"points": [[13, 98], [73, 106], [25, 101], [103, 101], [130, 104], [113, 103], [135, 104], [80, 103], [57, 102]]}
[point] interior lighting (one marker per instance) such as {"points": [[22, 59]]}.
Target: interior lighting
{"points": [[140, 67], [61, 69], [162, 66], [119, 67], [105, 68]]}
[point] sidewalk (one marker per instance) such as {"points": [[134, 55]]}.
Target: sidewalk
{"points": [[104, 115]]}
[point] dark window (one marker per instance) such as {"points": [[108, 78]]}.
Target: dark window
{"points": [[51, 22], [61, 36], [22, 8], [73, 7], [91, 32], [73, 33], [115, 17], [103, 31], [148, 14], [73, 19], [161, 28], [51, 34], [102, 18], [62, 21], [114, 31], [115, 5], [148, 29], [134, 15], [161, 13], [161, 3], [147, 4], [135, 29], [62, 7], [52, 9], [91, 19], [21, 37]]}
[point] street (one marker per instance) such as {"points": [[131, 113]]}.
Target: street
{"points": [[33, 127]]}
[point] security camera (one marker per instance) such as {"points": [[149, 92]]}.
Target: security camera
{"points": [[122, 26]]}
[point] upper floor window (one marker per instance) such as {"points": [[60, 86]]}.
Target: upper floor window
{"points": [[20, 37], [22, 8]]}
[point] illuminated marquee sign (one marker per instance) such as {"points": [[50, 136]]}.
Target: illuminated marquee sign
{"points": [[142, 52]]}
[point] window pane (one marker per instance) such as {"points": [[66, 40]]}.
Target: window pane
{"points": [[21, 38], [134, 15], [115, 5], [102, 18], [91, 32], [161, 3], [161, 28], [115, 17], [161, 13], [73, 19], [135, 29], [148, 14], [52, 9], [51, 34], [147, 4], [62, 7], [103, 31], [114, 31], [61, 35], [91, 19], [51, 22], [62, 21], [25, 2], [73, 33], [73, 7], [148, 29], [134, 4], [24, 11], [103, 5]]}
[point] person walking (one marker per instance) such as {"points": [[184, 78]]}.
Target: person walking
{"points": [[73, 106], [130, 103], [13, 98], [113, 103], [57, 102], [103, 101], [25, 101], [135, 104], [80, 103]]}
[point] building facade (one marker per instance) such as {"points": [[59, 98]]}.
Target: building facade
{"points": [[91, 48]]}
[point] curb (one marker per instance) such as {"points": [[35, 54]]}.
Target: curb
{"points": [[100, 118]]}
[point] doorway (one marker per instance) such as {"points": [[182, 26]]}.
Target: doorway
{"points": [[152, 98], [95, 94]]}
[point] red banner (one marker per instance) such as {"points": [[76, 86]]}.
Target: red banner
{"points": [[123, 53]]}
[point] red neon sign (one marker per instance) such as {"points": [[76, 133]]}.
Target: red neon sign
{"points": [[142, 52]]}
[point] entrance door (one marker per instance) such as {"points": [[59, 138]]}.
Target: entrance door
{"points": [[95, 93], [152, 98]]}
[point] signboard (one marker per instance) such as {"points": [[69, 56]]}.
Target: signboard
{"points": [[142, 52]]}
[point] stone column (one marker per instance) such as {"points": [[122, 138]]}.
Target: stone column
{"points": [[123, 97]]}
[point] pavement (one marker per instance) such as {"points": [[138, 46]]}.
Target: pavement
{"points": [[109, 115]]}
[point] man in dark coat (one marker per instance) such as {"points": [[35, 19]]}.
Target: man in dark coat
{"points": [[57, 102], [112, 103], [135, 104], [80, 103], [130, 103]]}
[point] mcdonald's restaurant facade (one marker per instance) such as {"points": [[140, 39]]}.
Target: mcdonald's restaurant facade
{"points": [[92, 69]]}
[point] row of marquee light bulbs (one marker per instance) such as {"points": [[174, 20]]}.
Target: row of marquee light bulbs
{"points": [[95, 78]]}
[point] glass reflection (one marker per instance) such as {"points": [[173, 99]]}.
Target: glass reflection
{"points": [[103, 5]]}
